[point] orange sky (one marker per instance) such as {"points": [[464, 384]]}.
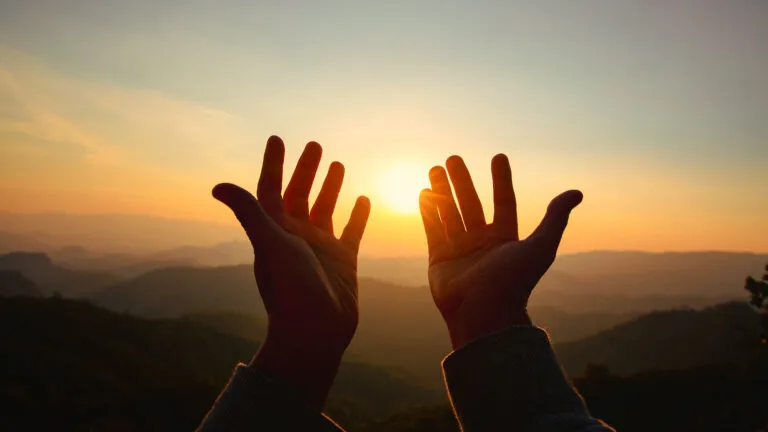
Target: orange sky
{"points": [[139, 112]]}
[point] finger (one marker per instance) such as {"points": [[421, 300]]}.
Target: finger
{"points": [[432, 225], [551, 228], [271, 178], [296, 197], [353, 232], [322, 211], [259, 226], [449, 213], [504, 201], [466, 195]]}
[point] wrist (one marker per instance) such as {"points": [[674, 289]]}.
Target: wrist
{"points": [[465, 329], [308, 367]]}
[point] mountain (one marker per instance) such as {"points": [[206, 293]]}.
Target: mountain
{"points": [[565, 326], [10, 242], [220, 254], [122, 264], [639, 281], [14, 284], [105, 233], [90, 369], [50, 278], [238, 324], [177, 291], [417, 333], [615, 281], [676, 339], [399, 325]]}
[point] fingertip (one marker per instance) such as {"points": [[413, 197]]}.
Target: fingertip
{"points": [[454, 160], [575, 197], [275, 145], [364, 202], [500, 160], [220, 191], [313, 148], [336, 166], [567, 201], [436, 172]]}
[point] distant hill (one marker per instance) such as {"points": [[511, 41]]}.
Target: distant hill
{"points": [[90, 369], [399, 325], [673, 340], [50, 278], [565, 326], [12, 241], [194, 292], [242, 325], [14, 284], [109, 233], [177, 291], [639, 281], [122, 264], [220, 254]]}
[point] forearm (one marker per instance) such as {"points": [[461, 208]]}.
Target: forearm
{"points": [[259, 401], [283, 388], [309, 370], [510, 380]]}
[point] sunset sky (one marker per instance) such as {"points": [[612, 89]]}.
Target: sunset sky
{"points": [[657, 110]]}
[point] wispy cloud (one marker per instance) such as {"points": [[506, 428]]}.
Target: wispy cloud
{"points": [[108, 124]]}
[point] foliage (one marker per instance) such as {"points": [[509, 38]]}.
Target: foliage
{"points": [[758, 291], [678, 339]]}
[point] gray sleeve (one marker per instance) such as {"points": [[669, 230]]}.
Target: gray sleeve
{"points": [[511, 380], [255, 401]]}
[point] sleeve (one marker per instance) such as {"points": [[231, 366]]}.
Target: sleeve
{"points": [[511, 380], [255, 401]]}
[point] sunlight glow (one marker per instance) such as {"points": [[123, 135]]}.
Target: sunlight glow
{"points": [[400, 187]]}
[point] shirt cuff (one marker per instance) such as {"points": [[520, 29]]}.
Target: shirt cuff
{"points": [[256, 400], [509, 378]]}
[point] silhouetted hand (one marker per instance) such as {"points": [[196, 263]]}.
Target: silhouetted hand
{"points": [[481, 274], [306, 276]]}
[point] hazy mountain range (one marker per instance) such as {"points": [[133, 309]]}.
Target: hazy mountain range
{"points": [[140, 234], [93, 257], [399, 325]]}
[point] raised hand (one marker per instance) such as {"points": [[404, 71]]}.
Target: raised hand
{"points": [[481, 274], [306, 276]]}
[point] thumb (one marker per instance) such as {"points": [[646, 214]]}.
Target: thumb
{"points": [[259, 227], [551, 228]]}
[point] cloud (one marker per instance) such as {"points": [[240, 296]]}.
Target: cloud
{"points": [[110, 124]]}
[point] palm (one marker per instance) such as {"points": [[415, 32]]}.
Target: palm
{"points": [[476, 268], [306, 276], [314, 278]]}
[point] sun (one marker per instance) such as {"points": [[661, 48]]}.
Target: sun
{"points": [[401, 185]]}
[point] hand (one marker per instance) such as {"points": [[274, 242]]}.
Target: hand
{"points": [[306, 276], [480, 274]]}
